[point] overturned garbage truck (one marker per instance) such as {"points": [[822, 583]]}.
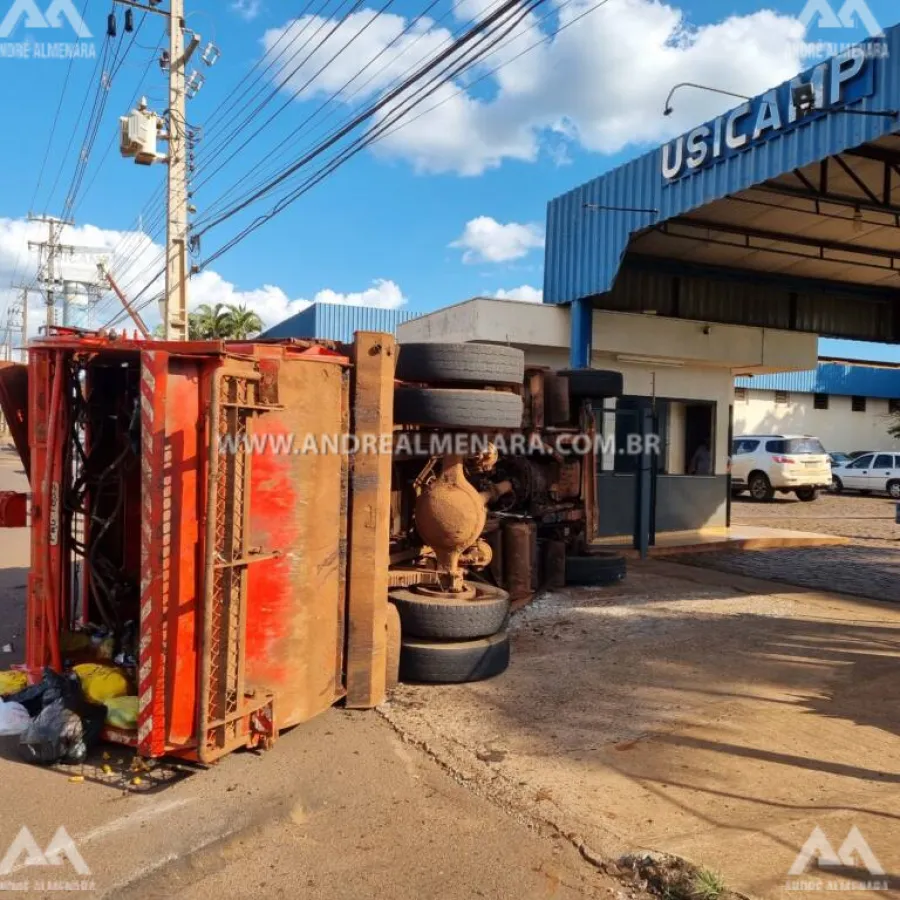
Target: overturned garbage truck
{"points": [[253, 531]]}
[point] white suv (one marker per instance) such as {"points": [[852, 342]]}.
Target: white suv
{"points": [[766, 463]]}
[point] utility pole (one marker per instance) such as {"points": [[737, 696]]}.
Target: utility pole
{"points": [[50, 251], [176, 305], [17, 321], [139, 142]]}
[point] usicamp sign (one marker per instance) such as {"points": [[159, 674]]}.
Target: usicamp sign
{"points": [[845, 79]]}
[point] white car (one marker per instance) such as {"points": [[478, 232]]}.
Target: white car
{"points": [[869, 472], [766, 463]]}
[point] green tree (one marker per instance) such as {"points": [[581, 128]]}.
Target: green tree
{"points": [[241, 323], [220, 322], [209, 323]]}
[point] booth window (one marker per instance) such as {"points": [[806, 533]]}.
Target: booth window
{"points": [[858, 404], [894, 407], [820, 401], [782, 398], [685, 430], [740, 395]]}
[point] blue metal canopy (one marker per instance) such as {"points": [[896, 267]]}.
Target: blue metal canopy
{"points": [[657, 198]]}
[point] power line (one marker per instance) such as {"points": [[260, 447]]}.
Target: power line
{"points": [[62, 97], [274, 93], [154, 208], [393, 120], [273, 155], [98, 66], [476, 31], [503, 65]]}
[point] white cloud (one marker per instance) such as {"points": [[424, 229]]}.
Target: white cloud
{"points": [[525, 294], [135, 259], [383, 294], [370, 34], [600, 84], [486, 240], [247, 9]]}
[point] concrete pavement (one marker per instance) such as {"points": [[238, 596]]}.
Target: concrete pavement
{"points": [[693, 713]]}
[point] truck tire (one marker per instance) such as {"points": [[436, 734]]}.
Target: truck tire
{"points": [[454, 662], [807, 495], [449, 363], [457, 408], [588, 383], [598, 570], [438, 619]]}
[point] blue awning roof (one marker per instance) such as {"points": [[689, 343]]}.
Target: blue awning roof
{"points": [[590, 229], [835, 378]]}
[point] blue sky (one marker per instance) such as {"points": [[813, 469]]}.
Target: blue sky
{"points": [[450, 207]]}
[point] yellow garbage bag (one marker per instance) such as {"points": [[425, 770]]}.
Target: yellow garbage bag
{"points": [[122, 712], [101, 683], [12, 683]]}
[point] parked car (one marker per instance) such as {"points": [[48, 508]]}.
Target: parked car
{"points": [[870, 472], [766, 463], [840, 459]]}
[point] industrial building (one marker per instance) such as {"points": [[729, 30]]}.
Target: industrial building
{"points": [[848, 405], [725, 252], [337, 322]]}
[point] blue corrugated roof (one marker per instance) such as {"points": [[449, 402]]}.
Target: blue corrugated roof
{"points": [[585, 247], [338, 322], [835, 378]]}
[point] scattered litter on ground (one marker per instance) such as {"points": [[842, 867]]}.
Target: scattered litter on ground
{"points": [[7, 648]]}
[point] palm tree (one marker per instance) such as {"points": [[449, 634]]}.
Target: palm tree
{"points": [[208, 323], [241, 322]]}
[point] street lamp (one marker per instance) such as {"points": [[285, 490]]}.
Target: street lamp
{"points": [[700, 87]]}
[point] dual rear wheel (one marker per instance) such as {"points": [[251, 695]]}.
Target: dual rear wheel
{"points": [[450, 640]]}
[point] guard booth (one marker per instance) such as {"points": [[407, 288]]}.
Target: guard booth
{"points": [[773, 224]]}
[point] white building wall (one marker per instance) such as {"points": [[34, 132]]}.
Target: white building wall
{"points": [[668, 382], [668, 358], [838, 427]]}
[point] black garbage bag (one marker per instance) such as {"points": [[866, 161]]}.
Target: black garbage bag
{"points": [[55, 734], [65, 725], [49, 689]]}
